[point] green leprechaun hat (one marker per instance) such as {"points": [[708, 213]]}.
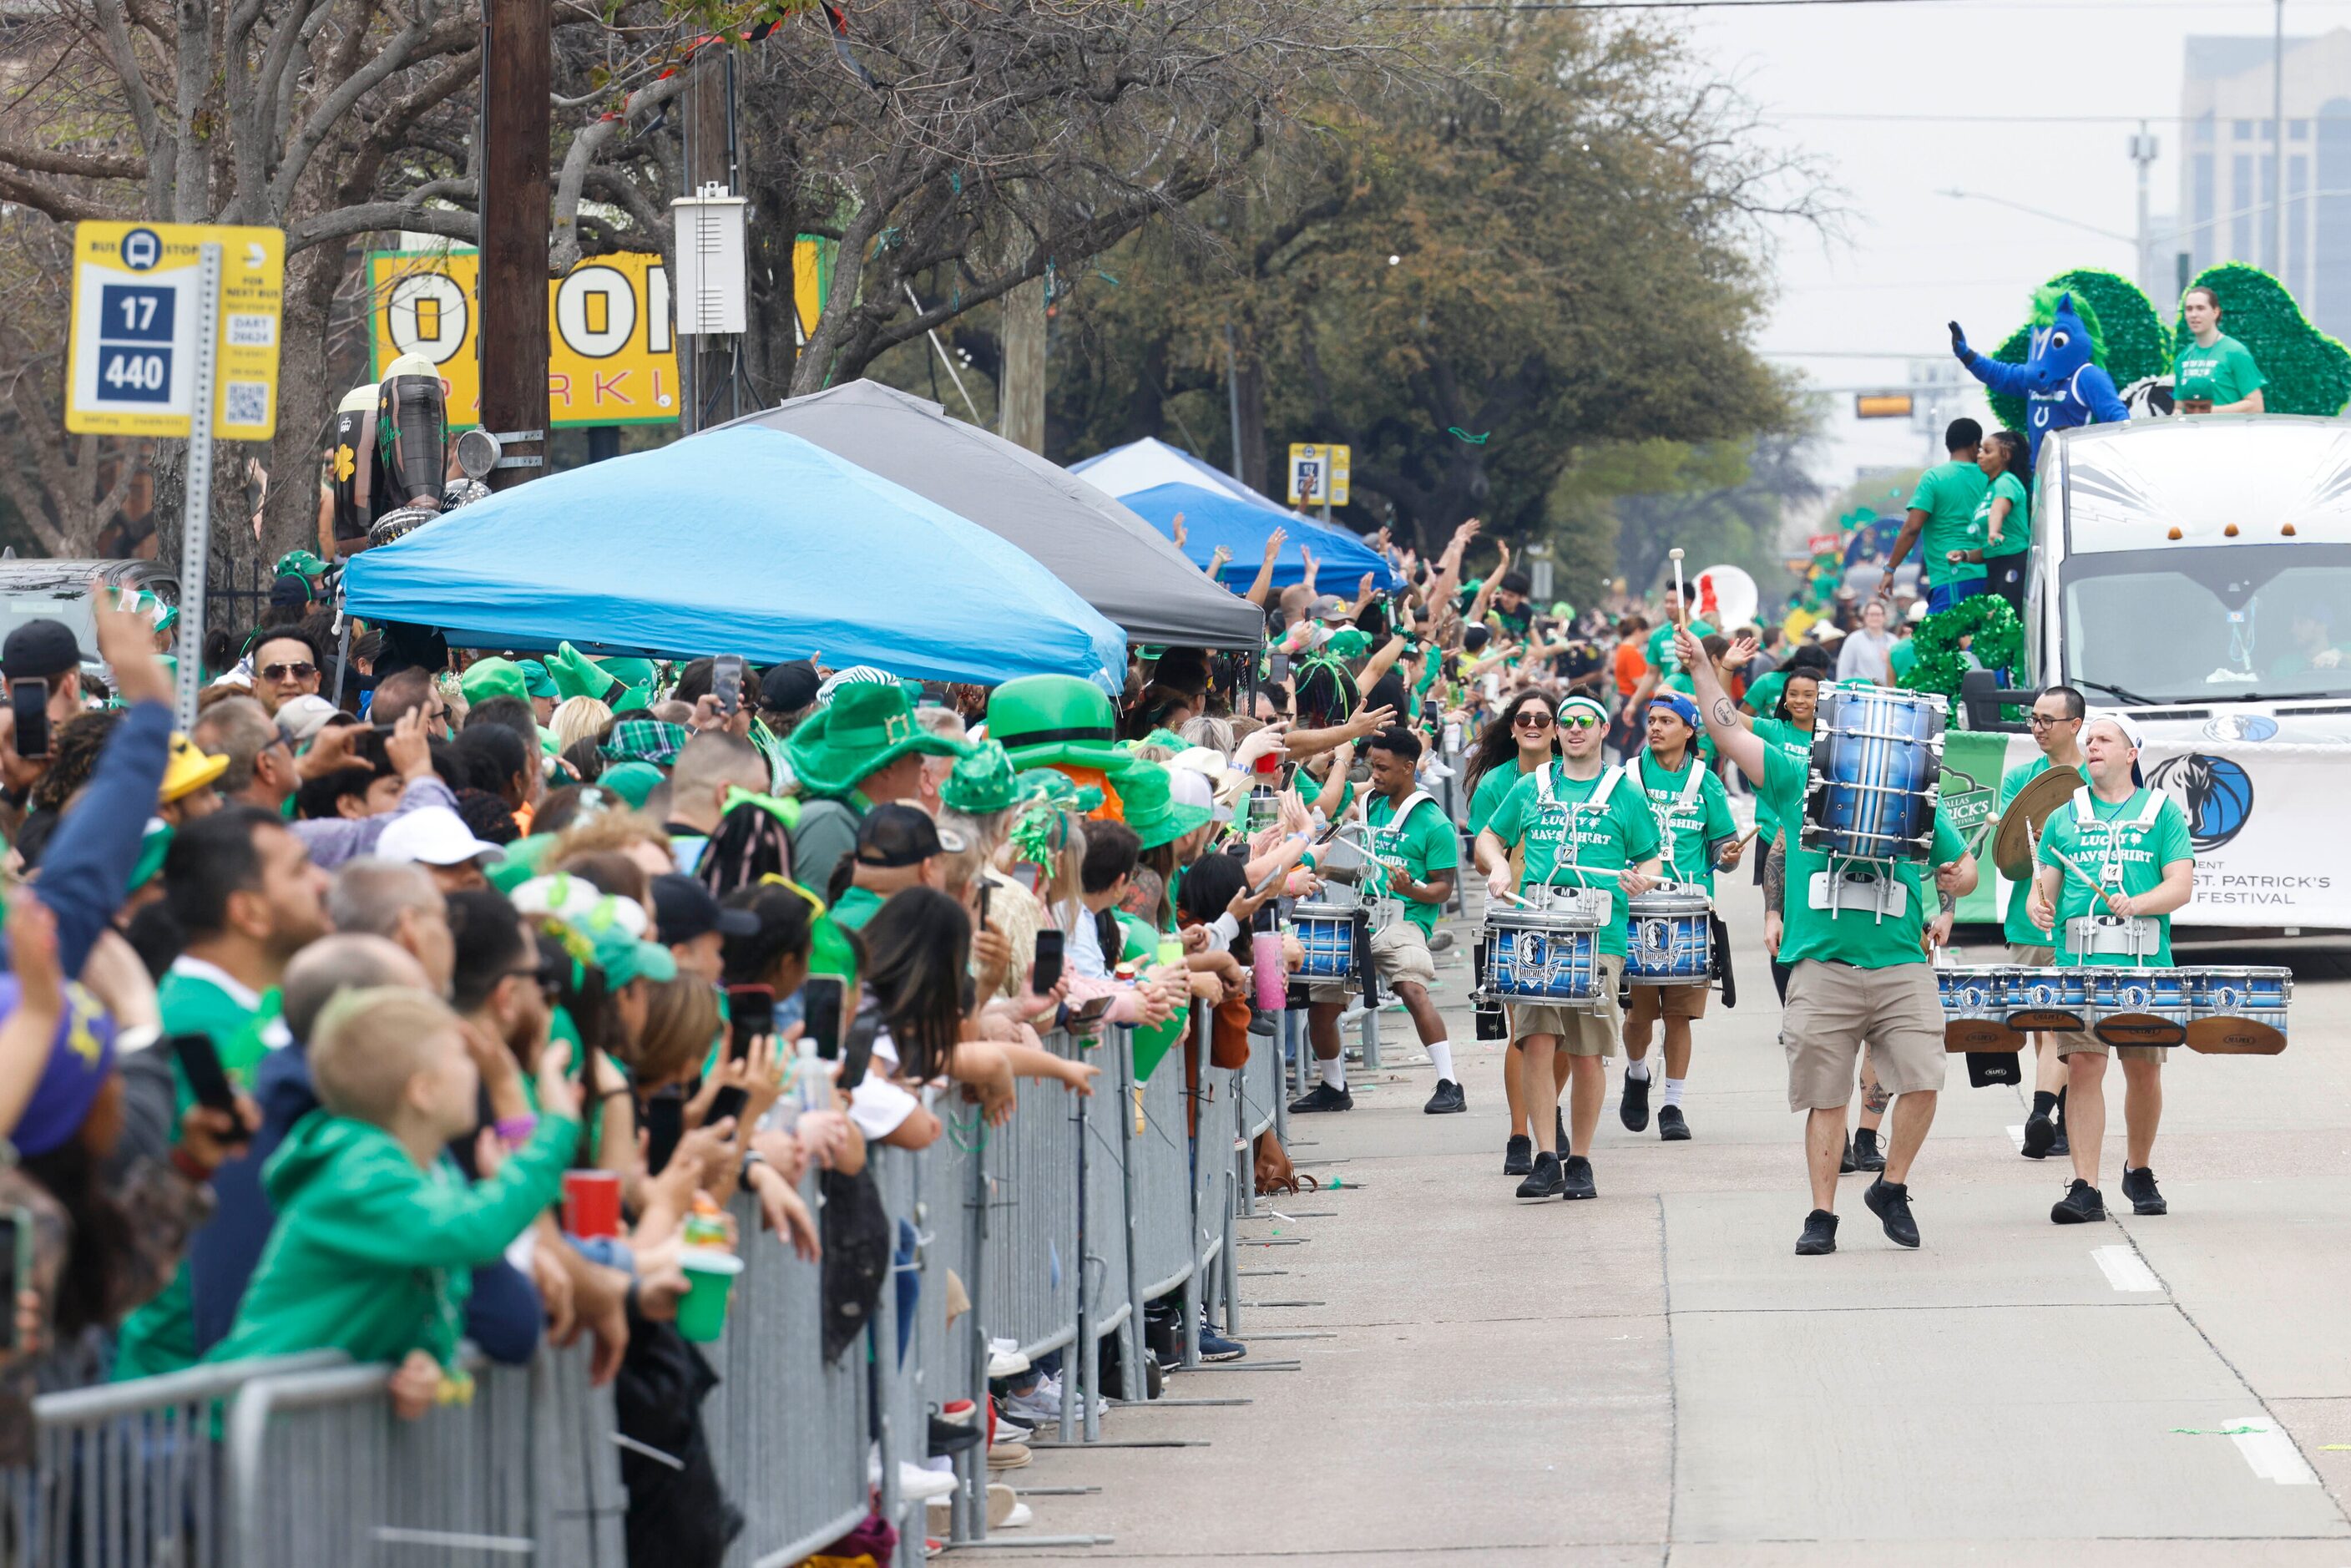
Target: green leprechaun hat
{"points": [[866, 727], [1063, 722]]}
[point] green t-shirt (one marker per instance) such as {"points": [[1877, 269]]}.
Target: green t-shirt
{"points": [[1781, 735], [1900, 657], [1854, 933], [1688, 831], [2223, 374], [2016, 528], [1422, 843], [2121, 854], [1763, 692], [855, 906], [1661, 647], [2017, 926], [1494, 786], [1620, 833], [1949, 493], [196, 997]]}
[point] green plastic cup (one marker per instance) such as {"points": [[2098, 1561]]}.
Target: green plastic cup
{"points": [[709, 1278]]}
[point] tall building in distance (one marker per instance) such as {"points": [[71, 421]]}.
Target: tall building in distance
{"points": [[2229, 144]]}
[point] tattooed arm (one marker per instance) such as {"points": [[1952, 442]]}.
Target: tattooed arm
{"points": [[1733, 739], [1775, 876]]}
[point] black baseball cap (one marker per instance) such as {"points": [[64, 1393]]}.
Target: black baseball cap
{"points": [[901, 835], [684, 909], [788, 688], [38, 649]]}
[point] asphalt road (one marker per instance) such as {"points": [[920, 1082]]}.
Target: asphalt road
{"points": [[1655, 1376]]}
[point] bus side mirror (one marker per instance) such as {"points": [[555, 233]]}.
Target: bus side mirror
{"points": [[1984, 696]]}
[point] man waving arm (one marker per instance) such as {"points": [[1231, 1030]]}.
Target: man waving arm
{"points": [[1731, 738]]}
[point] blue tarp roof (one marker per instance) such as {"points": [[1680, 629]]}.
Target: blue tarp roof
{"points": [[1213, 517], [745, 540]]}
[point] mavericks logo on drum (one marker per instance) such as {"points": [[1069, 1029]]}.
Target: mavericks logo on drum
{"points": [[2215, 792]]}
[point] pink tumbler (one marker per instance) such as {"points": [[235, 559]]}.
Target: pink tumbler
{"points": [[1265, 964]]}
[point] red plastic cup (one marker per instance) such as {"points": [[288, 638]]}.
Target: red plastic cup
{"points": [[592, 1203]]}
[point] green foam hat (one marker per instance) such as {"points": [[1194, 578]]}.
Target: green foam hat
{"points": [[1152, 808], [982, 783], [867, 726], [1054, 721]]}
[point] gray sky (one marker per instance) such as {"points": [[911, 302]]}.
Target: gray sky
{"points": [[1905, 99]]}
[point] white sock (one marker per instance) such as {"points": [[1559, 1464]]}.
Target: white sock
{"points": [[1440, 1051], [1334, 1072], [1674, 1089], [1638, 1071]]}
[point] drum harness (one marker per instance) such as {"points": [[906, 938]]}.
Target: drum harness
{"points": [[1596, 801], [2135, 936], [1387, 905]]}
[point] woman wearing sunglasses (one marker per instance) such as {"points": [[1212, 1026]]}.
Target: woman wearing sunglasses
{"points": [[1521, 737]]}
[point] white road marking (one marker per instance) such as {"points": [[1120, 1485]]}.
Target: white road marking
{"points": [[2016, 1136], [2271, 1453], [2124, 1270]]}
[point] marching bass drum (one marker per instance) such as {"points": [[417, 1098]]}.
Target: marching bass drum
{"points": [[1877, 768]]}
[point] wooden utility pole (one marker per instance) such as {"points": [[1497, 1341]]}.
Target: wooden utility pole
{"points": [[517, 127], [707, 362]]}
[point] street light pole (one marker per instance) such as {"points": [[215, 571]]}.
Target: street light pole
{"points": [[2142, 151], [2277, 145]]}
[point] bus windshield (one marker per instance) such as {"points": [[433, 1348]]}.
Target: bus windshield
{"points": [[2227, 623]]}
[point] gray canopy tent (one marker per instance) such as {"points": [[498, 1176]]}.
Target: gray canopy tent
{"points": [[1112, 559]]}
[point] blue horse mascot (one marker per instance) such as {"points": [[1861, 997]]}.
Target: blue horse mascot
{"points": [[2058, 380]]}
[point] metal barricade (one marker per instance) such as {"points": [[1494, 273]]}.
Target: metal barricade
{"points": [[128, 1474], [1216, 1129], [320, 1470], [787, 1429], [1106, 1304], [1028, 1288], [1158, 1176]]}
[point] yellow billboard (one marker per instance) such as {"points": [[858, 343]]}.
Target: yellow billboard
{"points": [[612, 343]]}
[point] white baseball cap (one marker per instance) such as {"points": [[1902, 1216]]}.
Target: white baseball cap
{"points": [[1189, 789], [434, 835], [303, 717]]}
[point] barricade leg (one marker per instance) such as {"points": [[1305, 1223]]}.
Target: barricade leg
{"points": [[1134, 1384], [1371, 1039]]}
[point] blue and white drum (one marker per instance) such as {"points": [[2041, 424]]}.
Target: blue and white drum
{"points": [[1877, 764], [2238, 1012], [2047, 998], [1669, 936], [1327, 933], [1975, 1009], [2138, 1006], [1547, 956]]}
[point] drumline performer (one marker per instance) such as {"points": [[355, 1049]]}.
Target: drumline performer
{"points": [[1521, 737], [1857, 945], [1694, 821], [2132, 842], [1411, 841], [1579, 818], [2057, 715]]}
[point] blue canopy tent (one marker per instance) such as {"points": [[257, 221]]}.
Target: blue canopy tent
{"points": [[745, 540], [1213, 517]]}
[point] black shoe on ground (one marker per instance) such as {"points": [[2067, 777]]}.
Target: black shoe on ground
{"points": [[1891, 1204], [1670, 1125], [1575, 1178], [1518, 1154], [1633, 1111], [1545, 1179], [1321, 1097], [1820, 1234], [1558, 1134], [1261, 1025], [1866, 1155], [2138, 1186], [2040, 1136], [1447, 1098], [1845, 1166], [2081, 1204], [2061, 1148]]}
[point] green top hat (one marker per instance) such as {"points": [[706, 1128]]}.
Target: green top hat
{"points": [[867, 726], [486, 678], [983, 782], [1152, 808], [1056, 721]]}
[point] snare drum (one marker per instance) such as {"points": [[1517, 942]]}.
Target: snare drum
{"points": [[1975, 1009], [2047, 998], [1669, 937], [2238, 1012], [2137, 1007], [1544, 957], [1327, 934], [1876, 767]]}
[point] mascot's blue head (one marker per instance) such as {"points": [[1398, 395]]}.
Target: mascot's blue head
{"points": [[2059, 348]]}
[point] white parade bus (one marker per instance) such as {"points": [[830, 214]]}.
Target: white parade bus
{"points": [[2196, 573]]}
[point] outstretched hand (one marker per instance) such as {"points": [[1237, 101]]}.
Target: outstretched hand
{"points": [[1958, 339]]}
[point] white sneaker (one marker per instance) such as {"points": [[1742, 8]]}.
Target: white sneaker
{"points": [[1040, 1406], [1004, 1358], [1010, 1431], [916, 1482]]}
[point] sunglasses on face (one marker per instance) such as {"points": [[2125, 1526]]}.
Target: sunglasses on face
{"points": [[296, 672], [1579, 721], [1532, 721]]}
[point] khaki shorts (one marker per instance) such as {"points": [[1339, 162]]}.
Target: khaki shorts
{"points": [[2031, 957], [1580, 1033], [1833, 1008], [1399, 952], [1651, 1003], [2071, 1042]]}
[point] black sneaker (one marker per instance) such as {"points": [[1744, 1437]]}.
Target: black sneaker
{"points": [[1559, 1133], [2040, 1136], [1844, 1167], [1866, 1155], [1820, 1234], [1544, 1180], [2061, 1148], [1635, 1110], [1321, 1097], [1891, 1204], [2081, 1204], [2138, 1186], [1518, 1154], [1575, 1178], [1670, 1125], [1448, 1097]]}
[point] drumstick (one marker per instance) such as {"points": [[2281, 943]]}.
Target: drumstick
{"points": [[1681, 606], [2066, 861]]}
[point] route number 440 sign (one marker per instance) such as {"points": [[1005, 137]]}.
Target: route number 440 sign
{"points": [[135, 312]]}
